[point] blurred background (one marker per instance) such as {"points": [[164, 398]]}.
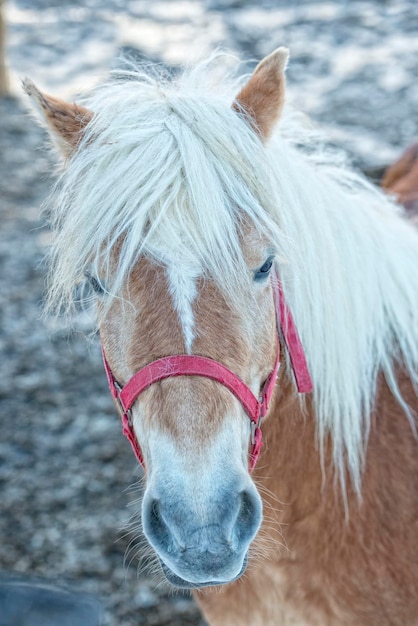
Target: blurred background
{"points": [[69, 481]]}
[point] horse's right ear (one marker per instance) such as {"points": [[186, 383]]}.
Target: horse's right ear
{"points": [[65, 122]]}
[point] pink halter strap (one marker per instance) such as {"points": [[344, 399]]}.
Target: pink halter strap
{"points": [[194, 365]]}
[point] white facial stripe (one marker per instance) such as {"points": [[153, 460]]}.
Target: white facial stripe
{"points": [[183, 291]]}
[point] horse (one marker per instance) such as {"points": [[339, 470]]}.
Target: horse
{"points": [[401, 179], [248, 282]]}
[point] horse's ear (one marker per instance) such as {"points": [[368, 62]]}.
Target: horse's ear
{"points": [[65, 122], [262, 97]]}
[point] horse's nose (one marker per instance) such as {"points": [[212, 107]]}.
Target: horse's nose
{"points": [[203, 543]]}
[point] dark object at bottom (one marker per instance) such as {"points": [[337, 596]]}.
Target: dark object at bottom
{"points": [[26, 601]]}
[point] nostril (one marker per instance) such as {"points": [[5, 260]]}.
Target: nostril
{"points": [[247, 507], [154, 524], [155, 512], [249, 516], [161, 534]]}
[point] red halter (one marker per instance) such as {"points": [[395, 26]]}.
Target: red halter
{"points": [[193, 365]]}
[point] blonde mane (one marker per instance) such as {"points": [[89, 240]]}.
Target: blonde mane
{"points": [[167, 169]]}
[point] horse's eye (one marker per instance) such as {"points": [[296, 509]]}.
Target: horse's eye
{"points": [[264, 270], [95, 284]]}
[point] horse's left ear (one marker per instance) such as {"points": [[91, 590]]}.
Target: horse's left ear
{"points": [[262, 98], [65, 122]]}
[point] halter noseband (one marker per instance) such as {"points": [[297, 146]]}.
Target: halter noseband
{"points": [[193, 365]]}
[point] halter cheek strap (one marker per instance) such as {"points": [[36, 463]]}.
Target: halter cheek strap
{"points": [[193, 365]]}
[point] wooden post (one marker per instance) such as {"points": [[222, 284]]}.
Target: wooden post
{"points": [[4, 82]]}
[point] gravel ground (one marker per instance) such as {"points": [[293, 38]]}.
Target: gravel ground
{"points": [[69, 481]]}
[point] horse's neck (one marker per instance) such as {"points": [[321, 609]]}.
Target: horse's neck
{"points": [[296, 484], [290, 465]]}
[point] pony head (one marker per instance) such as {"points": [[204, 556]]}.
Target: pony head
{"points": [[163, 205]]}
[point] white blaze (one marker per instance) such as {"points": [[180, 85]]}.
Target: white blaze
{"points": [[183, 290]]}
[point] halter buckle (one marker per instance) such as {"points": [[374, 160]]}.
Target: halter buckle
{"points": [[254, 425], [128, 412]]}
